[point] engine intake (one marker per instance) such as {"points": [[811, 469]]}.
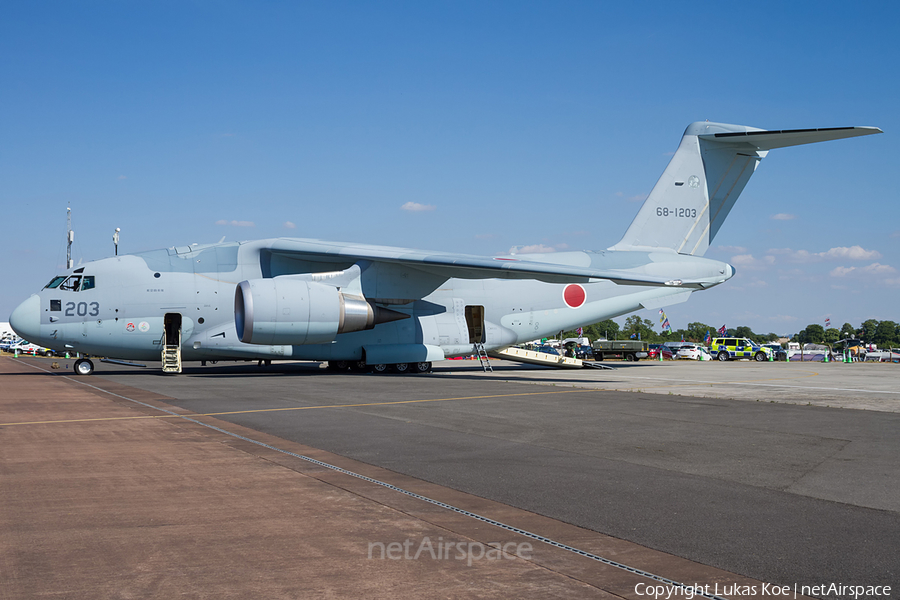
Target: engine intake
{"points": [[296, 312]]}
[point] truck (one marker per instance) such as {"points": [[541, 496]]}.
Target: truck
{"points": [[630, 350]]}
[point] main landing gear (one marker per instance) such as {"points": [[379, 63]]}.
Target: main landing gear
{"points": [[360, 366]]}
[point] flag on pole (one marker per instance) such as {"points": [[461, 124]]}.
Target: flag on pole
{"points": [[579, 331], [633, 335], [827, 323], [664, 321], [708, 338], [722, 330]]}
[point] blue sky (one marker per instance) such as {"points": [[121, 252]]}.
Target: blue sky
{"points": [[507, 124]]}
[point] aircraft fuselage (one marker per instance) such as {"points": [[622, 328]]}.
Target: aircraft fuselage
{"points": [[121, 314]]}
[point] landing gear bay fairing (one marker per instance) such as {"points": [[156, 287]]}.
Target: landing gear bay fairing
{"points": [[355, 305]]}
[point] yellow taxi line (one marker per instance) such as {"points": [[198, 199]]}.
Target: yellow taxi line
{"points": [[262, 410]]}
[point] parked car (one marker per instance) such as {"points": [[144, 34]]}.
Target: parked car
{"points": [[735, 348], [892, 355], [5, 344], [675, 346], [655, 349], [693, 353], [548, 349], [584, 352], [579, 351], [26, 347], [779, 352]]}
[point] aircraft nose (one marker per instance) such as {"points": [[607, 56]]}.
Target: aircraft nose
{"points": [[26, 319]]}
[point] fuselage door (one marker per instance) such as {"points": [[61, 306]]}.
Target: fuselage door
{"points": [[475, 323], [171, 343]]}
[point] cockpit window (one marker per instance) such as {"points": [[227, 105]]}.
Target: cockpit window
{"points": [[54, 283], [73, 283]]}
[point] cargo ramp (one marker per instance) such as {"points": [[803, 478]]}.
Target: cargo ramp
{"points": [[532, 357]]}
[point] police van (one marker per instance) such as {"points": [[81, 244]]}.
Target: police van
{"points": [[735, 348]]}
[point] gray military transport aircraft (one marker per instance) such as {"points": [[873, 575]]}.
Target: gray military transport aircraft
{"points": [[361, 306]]}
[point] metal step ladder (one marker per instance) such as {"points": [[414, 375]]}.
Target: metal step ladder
{"points": [[483, 359], [171, 356]]}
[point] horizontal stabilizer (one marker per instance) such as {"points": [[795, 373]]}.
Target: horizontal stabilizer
{"points": [[768, 140]]}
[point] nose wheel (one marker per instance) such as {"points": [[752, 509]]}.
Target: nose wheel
{"points": [[83, 366]]}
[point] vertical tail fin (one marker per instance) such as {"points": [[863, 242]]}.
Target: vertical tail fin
{"points": [[712, 165]]}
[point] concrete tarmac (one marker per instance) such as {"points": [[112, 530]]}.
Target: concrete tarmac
{"points": [[759, 492]]}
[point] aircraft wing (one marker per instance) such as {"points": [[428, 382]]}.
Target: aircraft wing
{"points": [[465, 266]]}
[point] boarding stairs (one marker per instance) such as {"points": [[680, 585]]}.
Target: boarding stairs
{"points": [[171, 355], [483, 358]]}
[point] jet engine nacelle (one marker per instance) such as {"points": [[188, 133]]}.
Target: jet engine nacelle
{"points": [[295, 312]]}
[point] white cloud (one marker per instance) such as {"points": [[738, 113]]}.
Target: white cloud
{"points": [[236, 223], [841, 271], [289, 225], [841, 252], [879, 269], [783, 217], [853, 253], [416, 207], [873, 269], [743, 259], [748, 261]]}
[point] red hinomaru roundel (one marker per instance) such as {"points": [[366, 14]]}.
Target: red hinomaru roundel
{"points": [[574, 295]]}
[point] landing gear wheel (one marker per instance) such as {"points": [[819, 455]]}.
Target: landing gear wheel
{"points": [[422, 367], [379, 368], [722, 356], [400, 368], [338, 365], [359, 366], [760, 356], [83, 366]]}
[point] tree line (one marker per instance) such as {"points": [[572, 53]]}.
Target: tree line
{"points": [[884, 334]]}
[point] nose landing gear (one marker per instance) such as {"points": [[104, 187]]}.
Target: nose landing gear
{"points": [[83, 366]]}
